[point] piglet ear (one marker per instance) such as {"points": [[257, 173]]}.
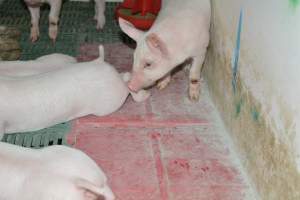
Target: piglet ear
{"points": [[93, 192], [130, 30], [156, 44]]}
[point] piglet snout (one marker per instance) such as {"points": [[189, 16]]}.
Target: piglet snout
{"points": [[136, 82], [132, 87]]}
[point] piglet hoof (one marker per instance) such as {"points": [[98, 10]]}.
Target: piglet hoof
{"points": [[33, 38], [53, 32], [53, 37], [100, 23], [34, 35], [99, 27], [194, 96], [194, 90], [163, 83]]}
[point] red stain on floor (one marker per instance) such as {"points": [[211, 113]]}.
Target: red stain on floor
{"points": [[166, 148], [160, 171]]}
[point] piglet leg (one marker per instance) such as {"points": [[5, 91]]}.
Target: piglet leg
{"points": [[35, 17], [164, 82], [54, 18], [99, 13], [194, 77]]}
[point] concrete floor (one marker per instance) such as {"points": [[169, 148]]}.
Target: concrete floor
{"points": [[166, 148]]}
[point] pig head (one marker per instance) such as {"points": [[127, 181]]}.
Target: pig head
{"points": [[179, 35], [151, 57]]}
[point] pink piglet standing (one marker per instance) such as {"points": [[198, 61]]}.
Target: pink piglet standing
{"points": [[180, 34]]}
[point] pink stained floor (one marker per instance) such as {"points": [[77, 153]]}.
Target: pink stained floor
{"points": [[166, 148]]}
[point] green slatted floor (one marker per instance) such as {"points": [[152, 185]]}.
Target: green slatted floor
{"points": [[37, 139], [76, 27]]}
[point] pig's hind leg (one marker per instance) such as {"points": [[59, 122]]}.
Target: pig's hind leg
{"points": [[194, 77]]}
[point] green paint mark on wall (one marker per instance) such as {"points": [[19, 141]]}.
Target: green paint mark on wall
{"points": [[238, 107], [294, 3], [255, 114]]}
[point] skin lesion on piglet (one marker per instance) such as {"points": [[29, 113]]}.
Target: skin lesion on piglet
{"points": [[53, 24], [34, 3]]}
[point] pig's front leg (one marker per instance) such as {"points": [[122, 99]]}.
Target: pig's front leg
{"points": [[194, 77], [35, 17], [99, 13], [55, 7], [164, 82]]}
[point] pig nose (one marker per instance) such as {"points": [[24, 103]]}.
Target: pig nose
{"points": [[132, 87]]}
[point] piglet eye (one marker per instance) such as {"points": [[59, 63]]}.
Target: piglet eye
{"points": [[148, 65]]}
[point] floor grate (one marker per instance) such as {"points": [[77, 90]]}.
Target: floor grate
{"points": [[54, 135], [76, 27]]}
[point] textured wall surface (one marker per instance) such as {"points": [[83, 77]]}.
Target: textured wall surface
{"points": [[252, 81]]}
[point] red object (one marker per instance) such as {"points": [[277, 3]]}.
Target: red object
{"points": [[141, 13], [128, 3]]}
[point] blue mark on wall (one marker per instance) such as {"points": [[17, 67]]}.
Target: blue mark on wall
{"points": [[235, 62], [255, 114]]}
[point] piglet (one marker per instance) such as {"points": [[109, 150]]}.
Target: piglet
{"points": [[55, 7], [51, 173], [179, 35], [34, 102], [42, 64]]}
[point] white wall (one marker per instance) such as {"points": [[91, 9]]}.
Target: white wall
{"points": [[270, 60]]}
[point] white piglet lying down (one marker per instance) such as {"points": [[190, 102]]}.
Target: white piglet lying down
{"points": [[31, 67], [34, 102], [52, 173]]}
